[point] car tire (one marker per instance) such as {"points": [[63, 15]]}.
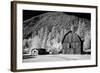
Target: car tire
{"points": [[34, 52]]}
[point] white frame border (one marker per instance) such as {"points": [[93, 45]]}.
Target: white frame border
{"points": [[21, 65]]}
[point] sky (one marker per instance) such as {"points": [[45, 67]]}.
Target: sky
{"points": [[27, 14]]}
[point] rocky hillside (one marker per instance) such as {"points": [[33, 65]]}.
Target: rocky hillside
{"points": [[49, 28]]}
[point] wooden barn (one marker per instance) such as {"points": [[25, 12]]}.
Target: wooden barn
{"points": [[72, 43]]}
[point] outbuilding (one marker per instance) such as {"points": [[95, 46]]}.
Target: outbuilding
{"points": [[71, 43]]}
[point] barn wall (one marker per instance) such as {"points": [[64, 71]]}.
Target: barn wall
{"points": [[71, 44]]}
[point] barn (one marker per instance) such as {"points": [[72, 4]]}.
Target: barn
{"points": [[72, 43]]}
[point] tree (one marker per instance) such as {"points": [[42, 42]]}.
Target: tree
{"points": [[44, 39], [40, 34], [61, 34], [35, 41], [87, 41], [81, 29]]}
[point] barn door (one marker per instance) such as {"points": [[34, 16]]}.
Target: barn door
{"points": [[72, 48], [68, 48]]}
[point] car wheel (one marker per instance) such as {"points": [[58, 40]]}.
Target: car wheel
{"points": [[34, 52]]}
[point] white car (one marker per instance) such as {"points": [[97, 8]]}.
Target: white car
{"points": [[35, 51], [32, 52]]}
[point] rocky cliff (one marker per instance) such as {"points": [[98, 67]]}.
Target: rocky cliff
{"points": [[51, 27]]}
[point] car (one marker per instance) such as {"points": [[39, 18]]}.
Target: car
{"points": [[35, 51]]}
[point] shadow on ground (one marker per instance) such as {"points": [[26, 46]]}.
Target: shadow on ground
{"points": [[28, 57]]}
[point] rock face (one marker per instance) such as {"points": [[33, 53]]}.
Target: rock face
{"points": [[51, 27]]}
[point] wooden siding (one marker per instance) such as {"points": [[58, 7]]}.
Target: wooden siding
{"points": [[71, 43]]}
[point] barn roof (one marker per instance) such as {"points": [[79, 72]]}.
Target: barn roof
{"points": [[71, 37]]}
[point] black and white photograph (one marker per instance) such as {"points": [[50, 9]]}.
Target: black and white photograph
{"points": [[47, 36], [56, 36]]}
